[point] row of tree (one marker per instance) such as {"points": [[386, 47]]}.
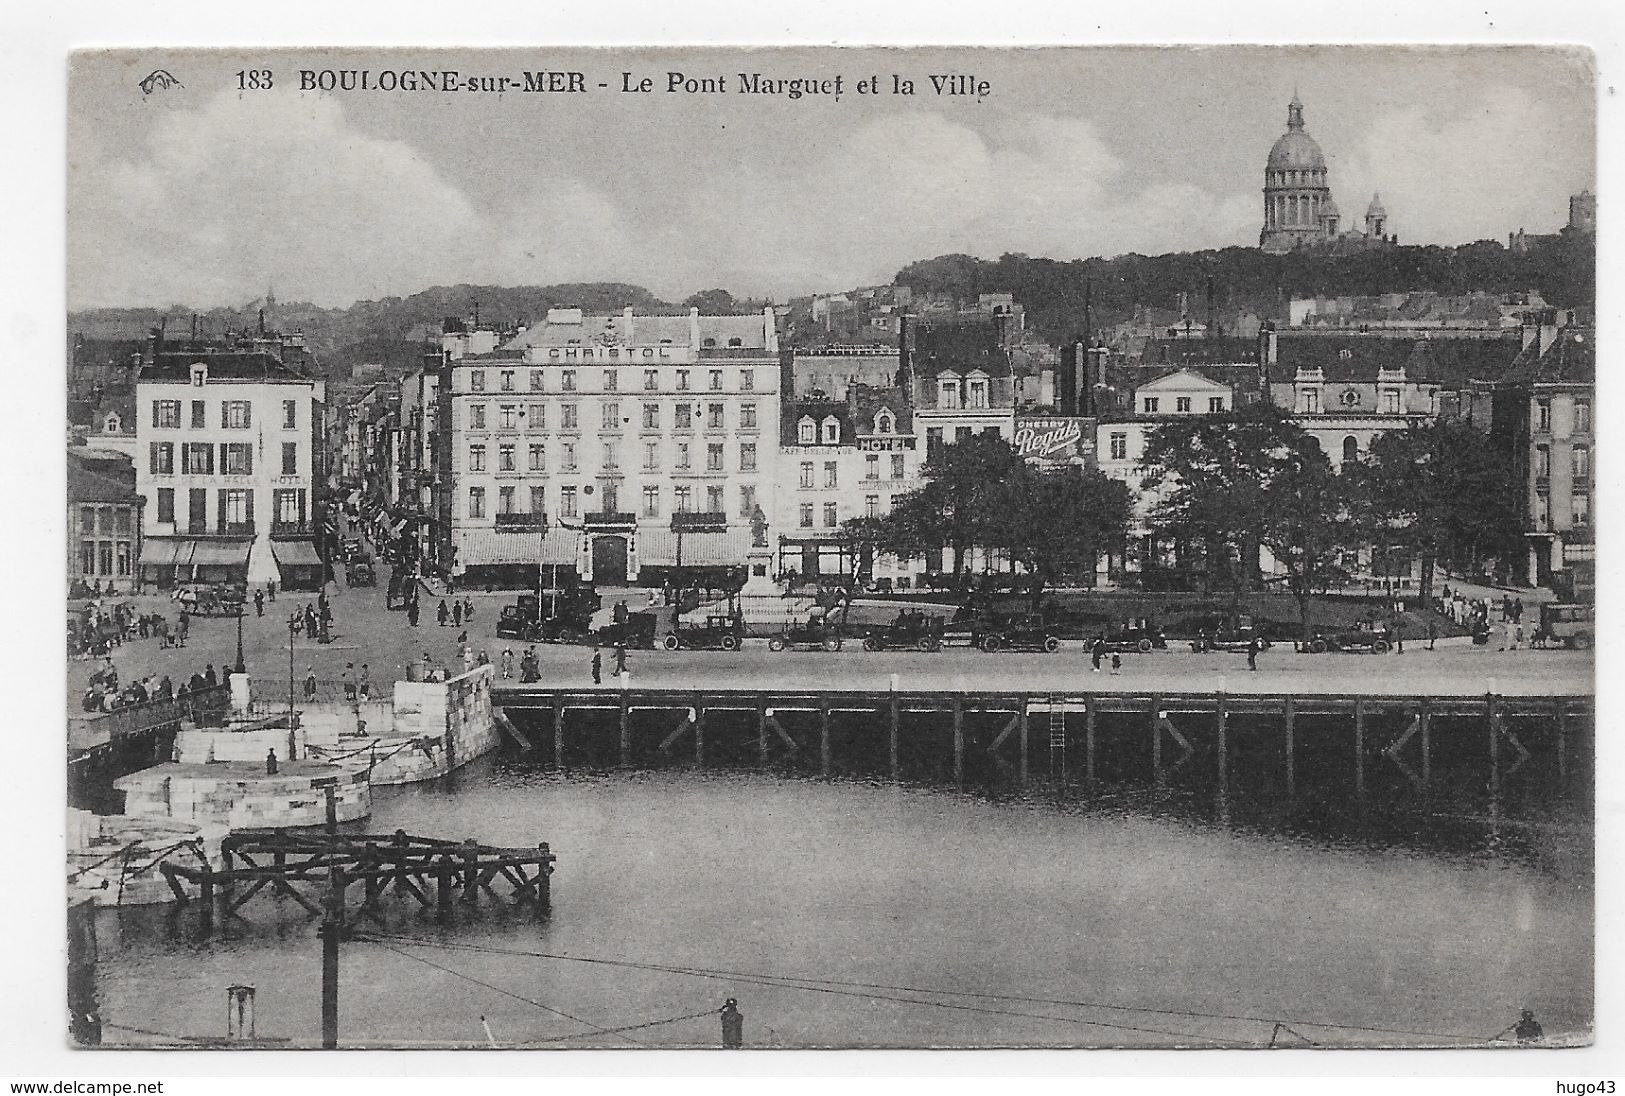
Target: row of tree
{"points": [[1222, 489]]}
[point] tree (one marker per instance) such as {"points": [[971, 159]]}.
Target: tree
{"points": [[1443, 492], [860, 539], [1058, 523], [963, 495], [1308, 519], [712, 302]]}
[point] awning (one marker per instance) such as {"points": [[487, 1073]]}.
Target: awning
{"points": [[295, 553], [489, 547], [220, 553], [166, 552], [659, 548]]}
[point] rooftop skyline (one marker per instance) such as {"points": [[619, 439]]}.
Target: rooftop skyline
{"points": [[203, 195]]}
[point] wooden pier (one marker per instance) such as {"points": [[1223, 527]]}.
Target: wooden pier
{"points": [[949, 734]]}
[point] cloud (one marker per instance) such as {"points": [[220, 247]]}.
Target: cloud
{"points": [[220, 201]]}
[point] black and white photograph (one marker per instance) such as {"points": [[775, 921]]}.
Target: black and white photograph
{"points": [[829, 547]]}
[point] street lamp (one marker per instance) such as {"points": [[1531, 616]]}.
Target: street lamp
{"points": [[240, 668]]}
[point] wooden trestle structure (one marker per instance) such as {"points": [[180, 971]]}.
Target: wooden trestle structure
{"points": [[317, 871], [992, 729]]}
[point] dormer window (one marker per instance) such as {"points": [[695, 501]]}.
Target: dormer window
{"points": [[736, 341], [948, 394], [708, 344], [832, 431], [807, 431], [111, 426], [884, 422], [200, 374]]}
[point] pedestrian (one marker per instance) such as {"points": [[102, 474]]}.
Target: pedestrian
{"points": [[462, 637], [365, 686], [182, 627], [468, 658], [618, 615], [349, 682], [310, 683], [209, 677], [1117, 664], [1433, 632], [507, 662], [270, 589], [443, 613], [1517, 610], [412, 613], [457, 614], [1252, 653], [259, 603], [468, 608], [166, 689], [597, 666], [1097, 651], [620, 657], [482, 659], [1517, 634]]}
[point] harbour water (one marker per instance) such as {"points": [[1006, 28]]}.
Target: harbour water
{"points": [[849, 913]]}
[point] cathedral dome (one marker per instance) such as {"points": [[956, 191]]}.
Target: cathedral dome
{"points": [[1295, 150]]}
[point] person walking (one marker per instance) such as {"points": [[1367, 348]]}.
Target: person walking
{"points": [[1097, 652], [482, 659], [182, 627], [270, 590], [457, 614], [209, 677], [468, 608], [349, 682], [1252, 653], [597, 666], [1433, 632], [1117, 664], [620, 657], [443, 614], [310, 683], [412, 613], [365, 685], [507, 662], [259, 603]]}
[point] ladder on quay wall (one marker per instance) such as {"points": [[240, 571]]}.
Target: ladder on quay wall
{"points": [[1057, 738]]}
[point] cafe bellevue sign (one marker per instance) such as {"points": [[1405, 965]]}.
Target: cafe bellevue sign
{"points": [[1053, 437]]}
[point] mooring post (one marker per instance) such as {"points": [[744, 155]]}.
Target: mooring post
{"points": [[1021, 729], [626, 731], [823, 735], [471, 871], [1562, 716], [558, 732], [332, 930], [1359, 746], [959, 741], [443, 872], [1089, 741], [1288, 712], [761, 729], [891, 740], [699, 736], [1156, 738], [1424, 722], [1493, 712]]}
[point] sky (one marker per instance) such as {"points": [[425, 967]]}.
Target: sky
{"points": [[204, 195]]}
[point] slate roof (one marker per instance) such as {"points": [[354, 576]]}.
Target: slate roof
{"points": [[1572, 359], [100, 480], [1449, 362], [961, 347], [224, 365], [793, 411]]}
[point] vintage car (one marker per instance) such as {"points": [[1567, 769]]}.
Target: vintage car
{"points": [[1367, 635], [361, 572], [815, 633], [1140, 637], [1572, 626], [718, 633], [911, 630], [1019, 632], [1231, 636]]}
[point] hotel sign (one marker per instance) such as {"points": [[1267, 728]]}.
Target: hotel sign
{"points": [[1053, 437]]}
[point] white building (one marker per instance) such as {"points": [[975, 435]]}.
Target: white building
{"points": [[226, 462]]}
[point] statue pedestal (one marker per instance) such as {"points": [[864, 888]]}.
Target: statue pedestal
{"points": [[759, 574]]}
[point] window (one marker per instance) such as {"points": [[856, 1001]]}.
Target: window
{"points": [[166, 505], [538, 500], [567, 502], [747, 380], [536, 417], [237, 459], [933, 441], [806, 432], [948, 395], [612, 458], [1543, 414], [199, 417], [713, 498], [806, 473], [476, 502], [961, 433], [871, 505], [507, 417], [197, 458], [1543, 462], [1390, 401], [713, 416], [476, 458], [166, 414], [682, 456], [505, 500], [747, 456], [476, 380], [567, 380], [883, 423], [713, 457], [538, 457], [684, 496], [1543, 512], [806, 515], [1351, 448], [830, 474], [1580, 508], [476, 416], [651, 380], [535, 380], [685, 419], [1182, 404], [651, 501], [747, 499], [682, 380], [507, 386], [831, 519], [290, 414], [569, 452], [977, 394], [1582, 416], [161, 458], [612, 380], [1215, 404], [1149, 405], [288, 507], [1311, 401], [871, 466], [832, 431], [611, 415], [237, 510], [897, 466], [568, 417], [197, 510], [716, 380], [1119, 446], [651, 457], [1582, 462], [505, 458], [651, 416]]}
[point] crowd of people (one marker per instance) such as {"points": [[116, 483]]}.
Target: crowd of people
{"points": [[105, 694]]}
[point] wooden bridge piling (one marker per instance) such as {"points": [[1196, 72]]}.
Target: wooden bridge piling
{"points": [[1359, 747], [1021, 730], [894, 714], [1288, 713], [823, 737], [959, 742]]}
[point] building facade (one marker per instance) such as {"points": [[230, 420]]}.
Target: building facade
{"points": [[104, 522], [228, 467]]}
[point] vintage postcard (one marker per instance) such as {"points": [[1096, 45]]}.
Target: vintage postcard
{"points": [[831, 547]]}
